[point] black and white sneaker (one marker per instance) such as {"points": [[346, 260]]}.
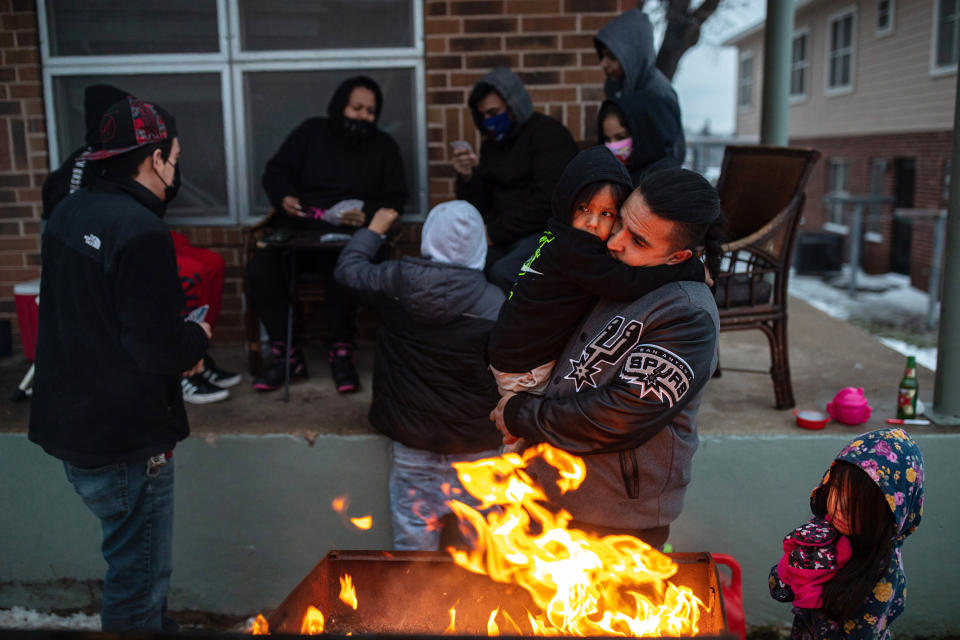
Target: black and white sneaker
{"points": [[215, 375], [198, 390]]}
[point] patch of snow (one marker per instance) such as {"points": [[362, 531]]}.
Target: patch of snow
{"points": [[887, 296], [20, 618], [926, 357]]}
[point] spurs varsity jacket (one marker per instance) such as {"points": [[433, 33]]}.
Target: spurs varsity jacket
{"points": [[625, 395]]}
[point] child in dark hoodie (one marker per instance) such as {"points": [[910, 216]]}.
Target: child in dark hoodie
{"points": [[569, 271], [843, 570]]}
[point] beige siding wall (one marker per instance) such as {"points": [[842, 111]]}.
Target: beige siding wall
{"points": [[894, 89]]}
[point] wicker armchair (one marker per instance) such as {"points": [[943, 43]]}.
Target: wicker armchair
{"points": [[762, 193]]}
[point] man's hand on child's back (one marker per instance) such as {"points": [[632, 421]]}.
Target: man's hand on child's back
{"points": [[382, 220]]}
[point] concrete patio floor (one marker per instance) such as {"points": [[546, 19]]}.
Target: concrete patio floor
{"points": [[825, 356], [256, 480]]}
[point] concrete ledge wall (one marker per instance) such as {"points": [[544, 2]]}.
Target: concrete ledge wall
{"points": [[253, 516]]}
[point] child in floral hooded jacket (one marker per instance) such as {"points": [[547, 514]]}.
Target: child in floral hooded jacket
{"points": [[843, 569]]}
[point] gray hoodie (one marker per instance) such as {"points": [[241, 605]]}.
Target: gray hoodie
{"points": [[629, 37]]}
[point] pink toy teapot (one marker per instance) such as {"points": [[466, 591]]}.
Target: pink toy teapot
{"points": [[849, 406]]}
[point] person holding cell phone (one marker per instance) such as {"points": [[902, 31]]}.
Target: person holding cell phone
{"points": [[330, 175], [512, 179]]}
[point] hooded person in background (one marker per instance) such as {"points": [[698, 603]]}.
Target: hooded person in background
{"points": [[432, 392], [627, 56], [324, 161], [76, 171], [640, 129], [511, 183], [111, 350]]}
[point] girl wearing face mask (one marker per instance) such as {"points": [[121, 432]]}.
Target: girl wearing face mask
{"points": [[330, 175], [639, 130]]}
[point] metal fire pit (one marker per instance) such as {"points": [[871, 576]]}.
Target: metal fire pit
{"points": [[411, 592]]}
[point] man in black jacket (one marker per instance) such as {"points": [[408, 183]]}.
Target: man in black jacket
{"points": [[111, 349], [513, 179]]}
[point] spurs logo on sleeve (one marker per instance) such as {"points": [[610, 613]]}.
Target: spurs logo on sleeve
{"points": [[658, 373], [608, 347]]}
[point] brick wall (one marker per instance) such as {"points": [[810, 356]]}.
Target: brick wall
{"points": [[931, 152], [549, 43], [23, 150]]}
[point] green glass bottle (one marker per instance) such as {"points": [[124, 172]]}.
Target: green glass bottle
{"points": [[907, 393]]}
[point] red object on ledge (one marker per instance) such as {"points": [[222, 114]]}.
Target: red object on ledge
{"points": [[28, 314]]}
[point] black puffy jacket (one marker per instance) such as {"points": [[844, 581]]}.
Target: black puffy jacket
{"points": [[431, 386]]}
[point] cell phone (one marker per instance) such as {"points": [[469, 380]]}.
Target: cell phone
{"points": [[461, 145], [198, 314]]}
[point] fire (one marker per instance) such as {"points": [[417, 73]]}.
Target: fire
{"points": [[582, 584], [452, 627], [348, 595], [312, 622], [364, 522], [260, 626], [340, 503]]}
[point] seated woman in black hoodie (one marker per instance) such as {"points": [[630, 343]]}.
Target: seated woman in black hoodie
{"points": [[323, 162]]}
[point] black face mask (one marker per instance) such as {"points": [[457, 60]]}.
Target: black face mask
{"points": [[356, 128], [170, 190]]}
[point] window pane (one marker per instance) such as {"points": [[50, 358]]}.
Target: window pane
{"points": [[834, 35], [796, 82], [834, 71], [331, 24], [194, 100], [883, 14], [277, 101], [845, 69], [797, 54], [112, 27], [847, 31]]}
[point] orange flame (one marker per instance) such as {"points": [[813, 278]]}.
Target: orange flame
{"points": [[312, 622], [582, 584], [452, 627], [492, 628], [260, 626], [364, 522], [340, 503], [348, 595]]}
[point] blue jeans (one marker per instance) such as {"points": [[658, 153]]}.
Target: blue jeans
{"points": [[136, 515], [417, 501]]}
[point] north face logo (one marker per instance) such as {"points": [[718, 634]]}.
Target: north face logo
{"points": [[92, 240], [607, 347], [658, 373]]}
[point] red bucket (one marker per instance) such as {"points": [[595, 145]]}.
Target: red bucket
{"points": [[28, 314]]}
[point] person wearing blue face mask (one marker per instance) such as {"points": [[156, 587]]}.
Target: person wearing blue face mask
{"points": [[511, 181]]}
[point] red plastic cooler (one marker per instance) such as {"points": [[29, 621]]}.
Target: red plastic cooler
{"points": [[28, 314]]}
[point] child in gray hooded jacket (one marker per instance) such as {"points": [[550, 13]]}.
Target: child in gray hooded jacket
{"points": [[432, 392]]}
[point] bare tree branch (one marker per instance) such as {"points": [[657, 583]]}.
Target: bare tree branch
{"points": [[682, 32]]}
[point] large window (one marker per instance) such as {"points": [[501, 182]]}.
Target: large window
{"points": [[799, 62], [239, 75], [946, 45], [745, 84], [841, 31]]}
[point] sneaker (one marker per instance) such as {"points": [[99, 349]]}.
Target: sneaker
{"points": [[341, 366], [215, 375], [271, 377], [198, 390]]}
